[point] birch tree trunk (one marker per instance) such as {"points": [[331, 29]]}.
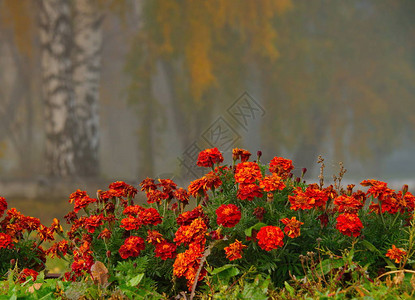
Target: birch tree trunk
{"points": [[86, 78], [57, 86]]}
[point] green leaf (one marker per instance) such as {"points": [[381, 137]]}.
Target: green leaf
{"points": [[289, 288], [370, 246], [136, 280], [257, 226]]}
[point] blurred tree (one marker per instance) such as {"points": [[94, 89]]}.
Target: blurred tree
{"points": [[199, 48], [18, 85], [344, 80]]}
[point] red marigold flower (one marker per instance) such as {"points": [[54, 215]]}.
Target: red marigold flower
{"points": [[347, 204], [154, 237], [248, 192], [3, 206], [187, 264], [349, 224], [5, 241], [259, 213], [216, 234], [281, 166], [292, 227], [26, 273], [247, 172], [378, 189], [396, 253], [56, 226], [148, 185], [149, 216], [301, 200], [244, 155], [123, 189], [132, 247], [212, 181], [105, 234], [182, 195], [133, 210], [80, 200], [228, 215], [45, 234], [207, 158], [92, 222], [272, 183], [234, 250], [320, 196], [59, 249], [197, 187], [193, 233], [187, 217], [165, 250], [270, 237], [29, 223], [131, 223], [156, 196], [168, 187], [324, 219]]}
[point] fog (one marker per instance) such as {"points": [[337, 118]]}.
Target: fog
{"points": [[138, 88]]}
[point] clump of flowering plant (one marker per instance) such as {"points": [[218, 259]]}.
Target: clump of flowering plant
{"points": [[21, 239], [248, 214]]}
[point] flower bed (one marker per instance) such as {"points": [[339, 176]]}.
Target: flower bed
{"points": [[242, 230]]}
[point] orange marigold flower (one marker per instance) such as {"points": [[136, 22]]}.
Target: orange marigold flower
{"points": [[292, 227], [165, 250], [5, 241], [182, 195], [247, 172], [248, 192], [272, 183], [132, 247], [244, 155], [270, 237], [193, 233], [209, 157], [26, 273], [301, 200], [154, 237], [349, 224], [228, 215], [234, 250], [347, 204], [281, 166], [3, 206], [396, 253]]}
